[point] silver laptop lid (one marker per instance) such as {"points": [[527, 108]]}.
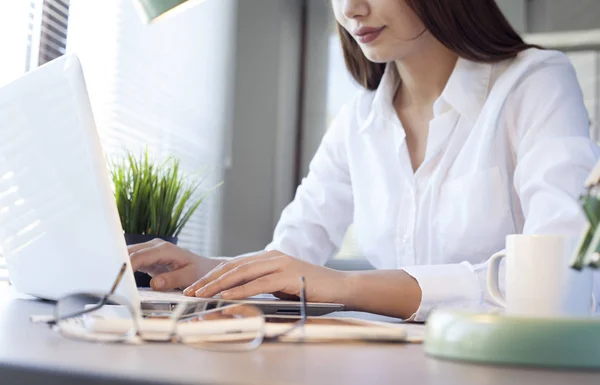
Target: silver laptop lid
{"points": [[59, 226]]}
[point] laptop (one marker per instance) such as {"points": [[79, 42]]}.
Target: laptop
{"points": [[59, 227]]}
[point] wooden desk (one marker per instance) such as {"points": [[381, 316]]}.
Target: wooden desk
{"points": [[33, 354]]}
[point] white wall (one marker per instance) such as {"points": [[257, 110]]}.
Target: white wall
{"points": [[259, 182], [316, 90], [514, 10], [562, 15]]}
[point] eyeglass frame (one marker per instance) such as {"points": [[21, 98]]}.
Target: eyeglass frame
{"points": [[177, 314]]}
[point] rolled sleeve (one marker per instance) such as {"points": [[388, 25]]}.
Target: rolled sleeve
{"points": [[452, 285]]}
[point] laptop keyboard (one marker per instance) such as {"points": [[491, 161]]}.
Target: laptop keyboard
{"points": [[162, 296], [149, 295]]}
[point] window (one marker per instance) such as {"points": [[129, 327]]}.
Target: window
{"points": [[15, 34], [31, 33], [163, 86], [341, 87], [53, 36], [14, 21]]}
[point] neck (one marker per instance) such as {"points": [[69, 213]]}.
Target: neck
{"points": [[424, 74]]}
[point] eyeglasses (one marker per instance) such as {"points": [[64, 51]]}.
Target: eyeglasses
{"points": [[210, 324]]}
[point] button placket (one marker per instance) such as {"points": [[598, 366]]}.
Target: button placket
{"points": [[408, 238], [401, 233]]}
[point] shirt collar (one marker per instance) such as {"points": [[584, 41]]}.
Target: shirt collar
{"points": [[467, 88], [382, 106], [466, 92]]}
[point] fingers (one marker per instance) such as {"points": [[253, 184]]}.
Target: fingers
{"points": [[140, 246], [161, 253], [190, 291], [223, 268], [154, 269], [173, 280], [265, 284], [241, 274]]}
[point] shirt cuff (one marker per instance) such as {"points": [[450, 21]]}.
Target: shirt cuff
{"points": [[452, 285]]}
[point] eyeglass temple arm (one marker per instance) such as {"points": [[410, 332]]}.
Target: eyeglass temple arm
{"points": [[118, 279], [303, 310], [97, 306], [103, 299], [303, 313]]}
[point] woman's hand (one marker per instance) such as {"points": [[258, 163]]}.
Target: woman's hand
{"points": [[270, 272], [389, 292], [170, 266]]}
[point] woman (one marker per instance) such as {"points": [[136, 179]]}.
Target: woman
{"points": [[463, 134]]}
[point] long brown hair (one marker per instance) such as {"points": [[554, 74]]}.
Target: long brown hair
{"points": [[474, 29]]}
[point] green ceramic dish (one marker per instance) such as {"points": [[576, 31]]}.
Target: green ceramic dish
{"points": [[501, 339]]}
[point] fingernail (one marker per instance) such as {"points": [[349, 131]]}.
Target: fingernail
{"points": [[226, 294], [159, 283], [187, 291], [201, 291]]}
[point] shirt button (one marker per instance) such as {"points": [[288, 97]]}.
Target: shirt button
{"points": [[406, 238]]}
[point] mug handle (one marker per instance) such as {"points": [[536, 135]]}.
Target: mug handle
{"points": [[492, 277]]}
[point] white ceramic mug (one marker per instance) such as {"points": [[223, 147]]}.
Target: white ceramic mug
{"points": [[539, 281]]}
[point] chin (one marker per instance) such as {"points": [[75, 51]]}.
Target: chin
{"points": [[379, 56]]}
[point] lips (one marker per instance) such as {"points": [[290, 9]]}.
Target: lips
{"points": [[367, 35]]}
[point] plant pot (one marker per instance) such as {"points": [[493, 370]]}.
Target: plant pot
{"points": [[143, 279]]}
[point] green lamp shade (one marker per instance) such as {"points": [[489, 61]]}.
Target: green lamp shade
{"points": [[153, 9]]}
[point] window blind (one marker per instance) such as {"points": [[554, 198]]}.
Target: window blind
{"points": [[162, 86], [53, 34], [149, 85]]}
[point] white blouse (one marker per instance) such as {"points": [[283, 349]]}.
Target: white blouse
{"points": [[508, 152]]}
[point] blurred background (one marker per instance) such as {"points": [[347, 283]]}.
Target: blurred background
{"points": [[240, 90]]}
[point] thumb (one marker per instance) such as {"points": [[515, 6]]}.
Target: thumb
{"points": [[177, 279]]}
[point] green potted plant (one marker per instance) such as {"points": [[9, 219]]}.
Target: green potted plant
{"points": [[154, 200], [588, 251]]}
